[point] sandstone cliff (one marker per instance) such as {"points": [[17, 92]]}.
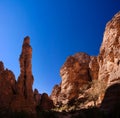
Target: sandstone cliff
{"points": [[109, 61], [103, 71], [77, 73], [87, 81]]}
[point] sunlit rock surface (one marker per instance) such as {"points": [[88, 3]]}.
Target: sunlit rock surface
{"points": [[80, 69], [76, 73], [109, 61]]}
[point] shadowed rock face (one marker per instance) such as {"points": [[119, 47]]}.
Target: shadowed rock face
{"points": [[45, 102], [1, 66], [111, 101], [7, 88]]}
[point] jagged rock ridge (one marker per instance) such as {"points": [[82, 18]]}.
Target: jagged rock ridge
{"points": [[17, 96]]}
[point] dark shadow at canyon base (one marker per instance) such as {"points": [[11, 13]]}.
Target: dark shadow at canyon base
{"points": [[111, 101]]}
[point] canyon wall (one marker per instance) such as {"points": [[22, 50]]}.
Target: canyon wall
{"points": [[102, 71]]}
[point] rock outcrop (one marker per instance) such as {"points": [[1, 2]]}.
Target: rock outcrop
{"points": [[37, 97], [109, 61], [83, 79], [80, 69], [18, 96], [25, 80], [1, 66], [45, 102], [77, 73], [7, 88], [94, 67], [24, 99]]}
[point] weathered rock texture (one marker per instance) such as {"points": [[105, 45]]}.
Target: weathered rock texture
{"points": [[77, 73], [109, 61], [80, 69], [24, 99], [17, 96], [25, 80], [45, 102], [7, 88], [81, 79]]}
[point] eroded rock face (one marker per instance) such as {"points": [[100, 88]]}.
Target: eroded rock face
{"points": [[94, 67], [17, 96], [37, 97], [79, 69], [1, 66], [25, 80], [24, 100], [45, 102], [77, 72], [109, 57], [109, 61], [55, 94], [7, 88], [74, 73]]}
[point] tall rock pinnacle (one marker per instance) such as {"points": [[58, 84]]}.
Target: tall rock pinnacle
{"points": [[24, 99], [25, 79]]}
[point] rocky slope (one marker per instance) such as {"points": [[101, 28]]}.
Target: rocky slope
{"points": [[102, 71]]}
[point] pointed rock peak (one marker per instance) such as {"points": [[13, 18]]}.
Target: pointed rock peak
{"points": [[1, 66], [26, 40], [25, 80]]}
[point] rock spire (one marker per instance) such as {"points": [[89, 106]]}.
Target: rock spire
{"points": [[24, 99], [25, 80]]}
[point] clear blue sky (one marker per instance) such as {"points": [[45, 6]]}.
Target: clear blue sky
{"points": [[57, 28]]}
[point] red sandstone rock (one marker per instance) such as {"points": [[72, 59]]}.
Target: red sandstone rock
{"points": [[109, 61], [55, 94], [94, 67], [37, 97], [1, 66], [19, 96], [7, 88], [24, 100], [77, 72], [25, 80], [45, 103]]}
